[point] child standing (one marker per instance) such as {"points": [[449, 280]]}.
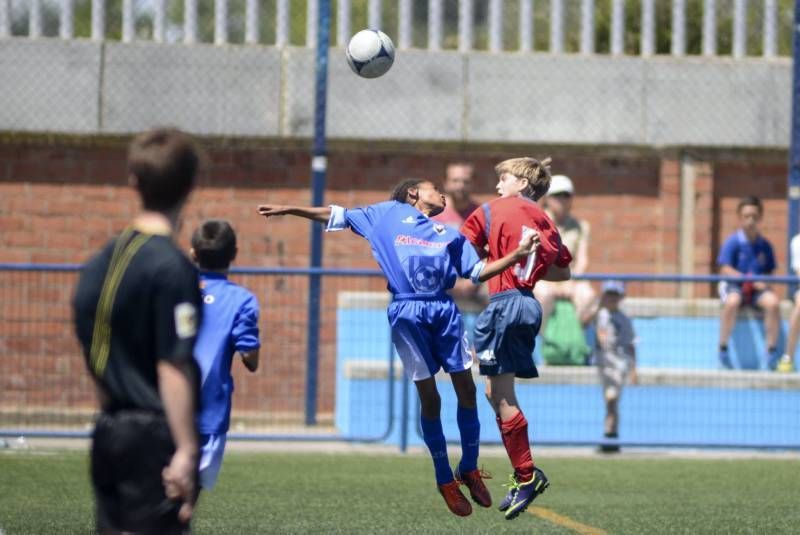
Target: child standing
{"points": [[615, 355], [230, 326]]}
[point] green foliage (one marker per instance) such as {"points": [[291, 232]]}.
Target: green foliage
{"points": [[541, 16]]}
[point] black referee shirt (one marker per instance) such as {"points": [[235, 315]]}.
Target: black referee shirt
{"points": [[137, 302]]}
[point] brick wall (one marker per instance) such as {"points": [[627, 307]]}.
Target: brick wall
{"points": [[60, 200]]}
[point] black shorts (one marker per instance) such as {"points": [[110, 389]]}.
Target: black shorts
{"points": [[129, 451]]}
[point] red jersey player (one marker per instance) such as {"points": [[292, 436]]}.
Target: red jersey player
{"points": [[505, 332]]}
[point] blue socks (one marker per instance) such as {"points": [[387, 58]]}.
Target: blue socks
{"points": [[470, 428], [434, 438]]}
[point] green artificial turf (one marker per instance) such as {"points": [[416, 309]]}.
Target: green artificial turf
{"points": [[354, 493]]}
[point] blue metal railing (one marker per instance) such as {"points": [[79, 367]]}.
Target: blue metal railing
{"points": [[403, 404], [365, 272]]}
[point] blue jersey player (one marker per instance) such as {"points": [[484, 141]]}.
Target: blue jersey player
{"points": [[421, 259], [229, 327]]}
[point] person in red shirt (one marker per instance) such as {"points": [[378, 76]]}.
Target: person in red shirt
{"points": [[505, 332]]}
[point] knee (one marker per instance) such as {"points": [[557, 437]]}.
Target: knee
{"points": [[770, 302], [466, 395], [584, 293], [732, 302], [431, 405]]}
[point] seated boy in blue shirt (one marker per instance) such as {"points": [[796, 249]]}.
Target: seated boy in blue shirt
{"points": [[230, 326], [747, 252]]}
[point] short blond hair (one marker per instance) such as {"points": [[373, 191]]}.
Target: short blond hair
{"points": [[536, 172]]}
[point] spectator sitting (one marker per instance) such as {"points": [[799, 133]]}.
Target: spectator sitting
{"points": [[786, 364], [575, 236], [746, 252]]}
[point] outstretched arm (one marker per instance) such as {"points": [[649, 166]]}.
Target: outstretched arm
{"points": [[525, 247], [314, 213]]}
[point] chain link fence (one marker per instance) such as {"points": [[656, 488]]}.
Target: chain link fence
{"points": [[623, 81], [611, 72], [681, 398]]}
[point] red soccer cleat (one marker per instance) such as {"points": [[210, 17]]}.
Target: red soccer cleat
{"points": [[455, 500], [474, 482]]}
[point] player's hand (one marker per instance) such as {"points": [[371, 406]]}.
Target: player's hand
{"points": [[180, 481], [528, 244], [270, 210]]}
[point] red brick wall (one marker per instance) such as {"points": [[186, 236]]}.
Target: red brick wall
{"points": [[61, 200]]}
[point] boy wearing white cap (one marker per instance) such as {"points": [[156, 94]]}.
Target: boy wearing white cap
{"points": [[575, 236], [615, 355]]}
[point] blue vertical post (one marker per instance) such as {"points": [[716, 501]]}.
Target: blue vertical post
{"points": [[319, 166]]}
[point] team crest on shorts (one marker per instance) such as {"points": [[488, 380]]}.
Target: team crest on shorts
{"points": [[487, 358]]}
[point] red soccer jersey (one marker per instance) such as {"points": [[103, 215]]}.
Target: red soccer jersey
{"points": [[499, 223]]}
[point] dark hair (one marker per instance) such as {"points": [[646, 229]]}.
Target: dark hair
{"points": [[214, 244], [750, 200], [164, 162], [400, 191]]}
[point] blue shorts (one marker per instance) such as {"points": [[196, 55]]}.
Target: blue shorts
{"points": [[212, 447], [749, 295], [505, 334], [429, 335]]}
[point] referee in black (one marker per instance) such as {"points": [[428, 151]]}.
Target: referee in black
{"points": [[137, 310]]}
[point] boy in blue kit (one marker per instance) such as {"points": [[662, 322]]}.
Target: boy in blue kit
{"points": [[421, 259], [230, 326], [747, 252]]}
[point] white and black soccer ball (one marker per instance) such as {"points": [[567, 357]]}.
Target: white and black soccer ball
{"points": [[370, 53]]}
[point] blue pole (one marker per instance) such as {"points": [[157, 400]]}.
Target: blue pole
{"points": [[794, 150], [319, 165]]}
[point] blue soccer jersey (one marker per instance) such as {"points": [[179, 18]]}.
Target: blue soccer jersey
{"points": [[753, 258], [230, 324], [417, 255], [420, 259]]}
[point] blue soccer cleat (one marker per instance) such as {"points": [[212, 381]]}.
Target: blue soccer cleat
{"points": [[512, 493], [526, 493]]}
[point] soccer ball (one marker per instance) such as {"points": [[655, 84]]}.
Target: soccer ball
{"points": [[370, 53]]}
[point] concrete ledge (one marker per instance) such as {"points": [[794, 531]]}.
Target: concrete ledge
{"points": [[639, 307], [583, 375]]}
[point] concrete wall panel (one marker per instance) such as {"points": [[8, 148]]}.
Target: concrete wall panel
{"points": [[233, 91], [564, 99], [421, 97], [49, 86]]}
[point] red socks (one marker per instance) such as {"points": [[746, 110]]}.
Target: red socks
{"points": [[514, 433]]}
